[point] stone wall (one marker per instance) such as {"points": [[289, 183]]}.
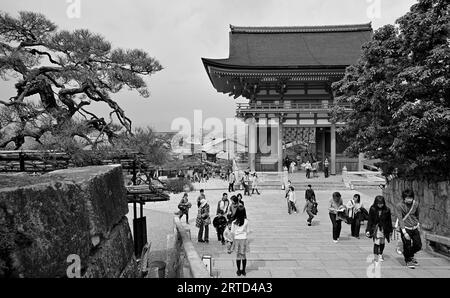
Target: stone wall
{"points": [[78, 211], [182, 259], [434, 203]]}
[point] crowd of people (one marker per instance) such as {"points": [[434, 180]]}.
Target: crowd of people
{"points": [[232, 226], [230, 222]]}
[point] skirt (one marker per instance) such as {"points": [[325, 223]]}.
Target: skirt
{"points": [[379, 237], [242, 248]]}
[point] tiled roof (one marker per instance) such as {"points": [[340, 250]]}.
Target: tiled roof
{"points": [[302, 29], [310, 46]]}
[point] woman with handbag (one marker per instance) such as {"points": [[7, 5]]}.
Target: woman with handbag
{"points": [[379, 227], [337, 211], [355, 216], [203, 221]]}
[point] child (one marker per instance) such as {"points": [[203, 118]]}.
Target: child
{"points": [[227, 235], [291, 200], [379, 227], [220, 223], [240, 230], [184, 207]]}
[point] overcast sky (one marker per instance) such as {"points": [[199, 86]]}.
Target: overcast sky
{"points": [[179, 32]]}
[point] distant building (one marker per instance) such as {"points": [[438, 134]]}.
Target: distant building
{"points": [[223, 148], [286, 73]]}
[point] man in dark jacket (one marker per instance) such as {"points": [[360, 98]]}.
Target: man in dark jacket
{"points": [[408, 223]]}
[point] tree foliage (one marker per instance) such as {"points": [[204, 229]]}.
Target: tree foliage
{"points": [[59, 74], [145, 142], [399, 92]]}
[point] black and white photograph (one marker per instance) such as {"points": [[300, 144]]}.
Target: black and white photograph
{"points": [[225, 146]]}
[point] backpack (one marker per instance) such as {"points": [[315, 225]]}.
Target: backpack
{"points": [[314, 209]]}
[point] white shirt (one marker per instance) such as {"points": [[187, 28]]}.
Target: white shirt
{"points": [[292, 196], [240, 232]]}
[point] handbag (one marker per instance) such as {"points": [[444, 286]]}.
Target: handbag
{"points": [[397, 226]]}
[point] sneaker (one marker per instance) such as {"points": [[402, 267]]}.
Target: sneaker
{"points": [[411, 265], [244, 273], [206, 241], [238, 273], [414, 261], [309, 224], [335, 241], [380, 258], [399, 251]]}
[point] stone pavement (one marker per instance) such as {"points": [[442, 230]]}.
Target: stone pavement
{"points": [[282, 245]]}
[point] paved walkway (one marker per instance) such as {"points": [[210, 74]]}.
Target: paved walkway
{"points": [[283, 245]]}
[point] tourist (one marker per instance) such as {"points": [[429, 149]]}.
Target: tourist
{"points": [[184, 207], [326, 164], [233, 207], [200, 197], [379, 226], [240, 199], [308, 169], [246, 184], [231, 182], [408, 223], [240, 231], [203, 221], [355, 215], [311, 204], [291, 200], [292, 167], [336, 209], [255, 184], [220, 223], [315, 167], [227, 235], [223, 205]]}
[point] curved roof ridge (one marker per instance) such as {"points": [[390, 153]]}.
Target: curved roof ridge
{"points": [[302, 29]]}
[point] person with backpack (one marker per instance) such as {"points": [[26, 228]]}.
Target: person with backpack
{"points": [[379, 226], [408, 223], [310, 207]]}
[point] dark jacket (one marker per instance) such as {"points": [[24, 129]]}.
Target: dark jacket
{"points": [[310, 195], [220, 222], [384, 221]]}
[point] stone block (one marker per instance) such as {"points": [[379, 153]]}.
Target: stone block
{"points": [[45, 219]]}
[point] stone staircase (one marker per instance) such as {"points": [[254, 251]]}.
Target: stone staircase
{"points": [[283, 246]]}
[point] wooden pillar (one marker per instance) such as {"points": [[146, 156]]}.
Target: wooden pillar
{"points": [[333, 150], [280, 144], [323, 148], [252, 143]]}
